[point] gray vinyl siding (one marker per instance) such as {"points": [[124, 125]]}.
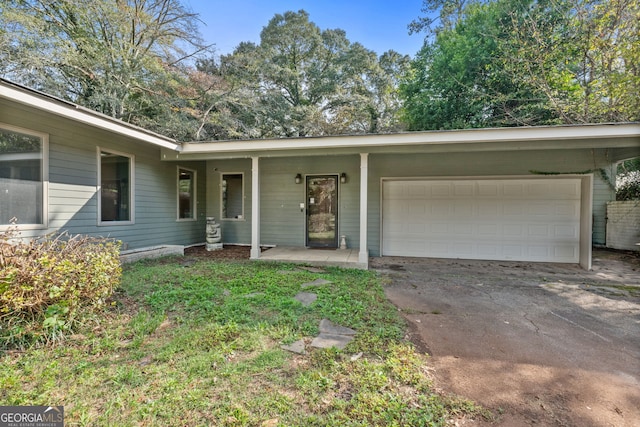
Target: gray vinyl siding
{"points": [[603, 192], [234, 231], [72, 198], [282, 222]]}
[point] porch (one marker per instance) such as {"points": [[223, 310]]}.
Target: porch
{"points": [[346, 258]]}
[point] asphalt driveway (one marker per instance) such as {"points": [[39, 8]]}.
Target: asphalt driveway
{"points": [[539, 344]]}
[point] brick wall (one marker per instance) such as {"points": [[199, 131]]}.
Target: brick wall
{"points": [[623, 225]]}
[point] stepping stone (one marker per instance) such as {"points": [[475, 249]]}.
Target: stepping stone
{"points": [[295, 347], [254, 294], [328, 327], [289, 271], [317, 282], [306, 298], [313, 269], [330, 340]]}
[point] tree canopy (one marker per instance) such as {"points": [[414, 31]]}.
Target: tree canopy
{"points": [[525, 62], [304, 81], [116, 57], [144, 62], [485, 63]]}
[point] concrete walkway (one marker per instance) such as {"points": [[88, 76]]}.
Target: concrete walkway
{"points": [[347, 258]]}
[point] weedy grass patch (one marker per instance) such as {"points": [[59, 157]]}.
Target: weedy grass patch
{"points": [[200, 345]]}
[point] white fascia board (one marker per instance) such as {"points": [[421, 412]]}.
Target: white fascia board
{"points": [[471, 136], [82, 115]]}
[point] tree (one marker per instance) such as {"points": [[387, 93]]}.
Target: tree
{"points": [[528, 62], [446, 12], [460, 81], [303, 81], [583, 56], [117, 57]]}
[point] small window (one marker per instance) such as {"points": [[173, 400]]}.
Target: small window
{"points": [[115, 176], [22, 177], [186, 194], [232, 196]]}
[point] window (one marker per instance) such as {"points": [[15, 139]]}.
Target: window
{"points": [[22, 176], [232, 196], [115, 176], [186, 194]]}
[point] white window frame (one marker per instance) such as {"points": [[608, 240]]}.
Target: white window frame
{"points": [[44, 137], [194, 200], [242, 215], [132, 187]]}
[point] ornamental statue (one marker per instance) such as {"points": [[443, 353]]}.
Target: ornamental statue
{"points": [[214, 236]]}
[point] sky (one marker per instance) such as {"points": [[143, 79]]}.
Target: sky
{"points": [[378, 25]]}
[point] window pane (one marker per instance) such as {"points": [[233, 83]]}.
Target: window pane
{"points": [[186, 195], [20, 178], [115, 193], [232, 203]]}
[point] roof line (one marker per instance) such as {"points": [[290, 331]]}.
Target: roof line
{"points": [[462, 136], [70, 110]]}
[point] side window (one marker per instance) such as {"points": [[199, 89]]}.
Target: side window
{"points": [[115, 176], [186, 193], [22, 176], [232, 196]]}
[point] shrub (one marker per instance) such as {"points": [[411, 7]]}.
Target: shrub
{"points": [[48, 285], [628, 180], [628, 186]]}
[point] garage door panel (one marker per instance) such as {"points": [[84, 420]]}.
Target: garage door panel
{"points": [[566, 231], [463, 189], [537, 220], [488, 189]]}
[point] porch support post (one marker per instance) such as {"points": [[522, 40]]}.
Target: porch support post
{"points": [[363, 255], [255, 208]]}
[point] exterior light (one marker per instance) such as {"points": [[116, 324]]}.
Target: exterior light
{"points": [[298, 178], [343, 177]]}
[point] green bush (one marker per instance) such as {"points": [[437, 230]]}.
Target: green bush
{"points": [[48, 285], [628, 180]]}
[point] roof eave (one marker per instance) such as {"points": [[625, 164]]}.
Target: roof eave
{"points": [[545, 137], [35, 99]]}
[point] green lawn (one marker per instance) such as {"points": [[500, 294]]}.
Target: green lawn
{"points": [[199, 344]]}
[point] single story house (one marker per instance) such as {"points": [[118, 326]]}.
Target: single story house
{"points": [[529, 193]]}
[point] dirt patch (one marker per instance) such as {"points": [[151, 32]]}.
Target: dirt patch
{"points": [[227, 252], [538, 344]]}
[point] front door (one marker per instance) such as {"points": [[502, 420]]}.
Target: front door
{"points": [[322, 211]]}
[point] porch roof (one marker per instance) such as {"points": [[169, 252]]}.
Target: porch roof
{"points": [[622, 140]]}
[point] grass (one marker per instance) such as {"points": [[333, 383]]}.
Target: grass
{"points": [[200, 345]]}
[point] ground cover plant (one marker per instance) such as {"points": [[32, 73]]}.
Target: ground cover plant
{"points": [[198, 342]]}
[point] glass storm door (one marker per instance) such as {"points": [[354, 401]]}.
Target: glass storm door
{"points": [[322, 211]]}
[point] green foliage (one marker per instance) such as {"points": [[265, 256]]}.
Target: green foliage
{"points": [[525, 62], [144, 62], [46, 286], [459, 80], [628, 180], [304, 81], [153, 363], [121, 58]]}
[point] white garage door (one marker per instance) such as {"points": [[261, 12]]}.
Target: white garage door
{"points": [[492, 219]]}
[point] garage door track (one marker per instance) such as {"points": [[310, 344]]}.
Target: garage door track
{"points": [[538, 344]]}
